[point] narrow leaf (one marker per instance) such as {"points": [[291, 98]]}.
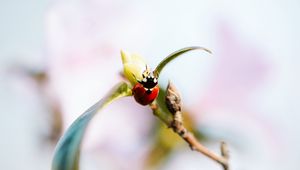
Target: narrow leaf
{"points": [[67, 152], [175, 54]]}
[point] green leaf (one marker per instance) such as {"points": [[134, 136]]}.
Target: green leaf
{"points": [[175, 54], [67, 152]]}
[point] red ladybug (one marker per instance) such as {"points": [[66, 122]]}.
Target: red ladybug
{"points": [[146, 90]]}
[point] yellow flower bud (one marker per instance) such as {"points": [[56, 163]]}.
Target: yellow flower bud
{"points": [[134, 66]]}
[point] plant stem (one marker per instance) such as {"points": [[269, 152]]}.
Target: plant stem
{"points": [[194, 144]]}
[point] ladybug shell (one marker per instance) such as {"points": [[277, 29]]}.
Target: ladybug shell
{"points": [[142, 97]]}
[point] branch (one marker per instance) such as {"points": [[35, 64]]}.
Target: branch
{"points": [[175, 122]]}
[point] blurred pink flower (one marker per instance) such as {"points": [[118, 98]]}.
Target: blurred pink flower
{"points": [[240, 71], [230, 104]]}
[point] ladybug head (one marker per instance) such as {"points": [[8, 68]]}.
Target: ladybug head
{"points": [[149, 80]]}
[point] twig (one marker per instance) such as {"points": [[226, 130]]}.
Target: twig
{"points": [[175, 122]]}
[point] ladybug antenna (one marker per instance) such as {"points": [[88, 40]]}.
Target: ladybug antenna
{"points": [[146, 72]]}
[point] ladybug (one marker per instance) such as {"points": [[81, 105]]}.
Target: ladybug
{"points": [[146, 90]]}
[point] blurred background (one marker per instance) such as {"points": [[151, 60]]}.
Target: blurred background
{"points": [[57, 58]]}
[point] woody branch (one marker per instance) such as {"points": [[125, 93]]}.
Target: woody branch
{"points": [[175, 121]]}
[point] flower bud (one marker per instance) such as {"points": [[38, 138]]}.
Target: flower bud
{"points": [[134, 65], [173, 100]]}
